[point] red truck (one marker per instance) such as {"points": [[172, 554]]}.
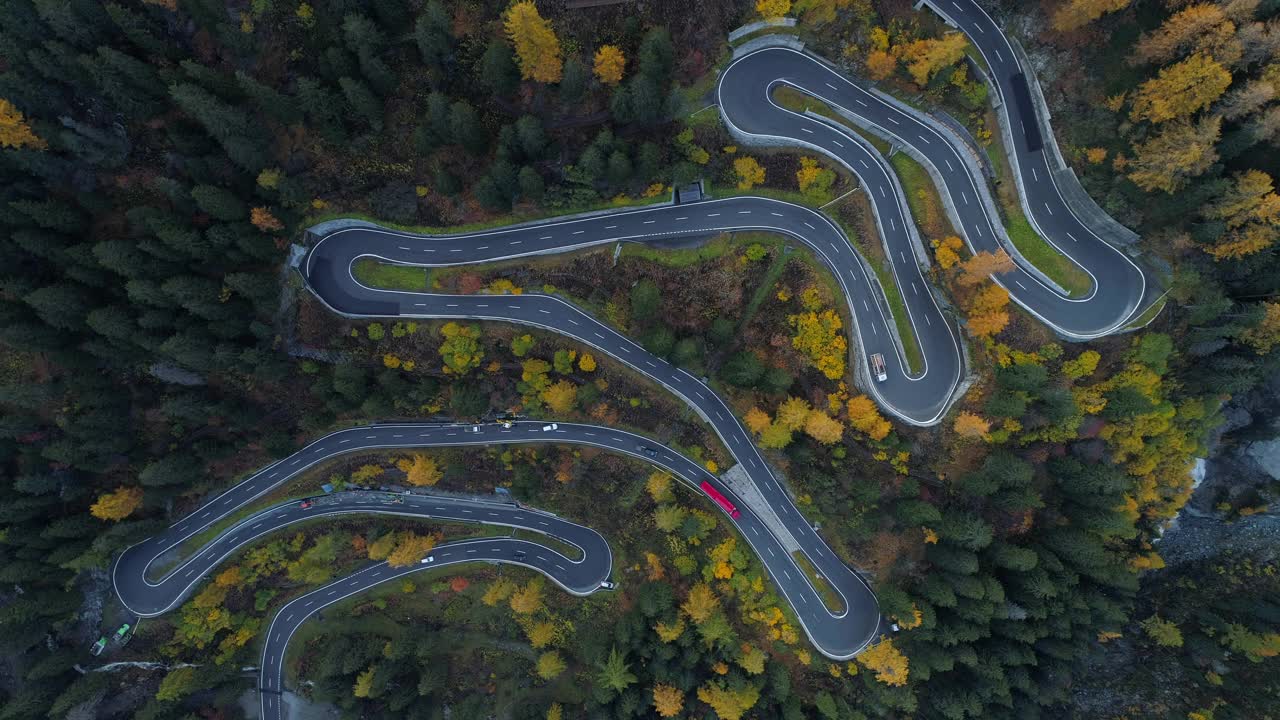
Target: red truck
{"points": [[721, 500]]}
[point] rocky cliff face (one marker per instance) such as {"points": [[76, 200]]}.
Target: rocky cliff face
{"points": [[1237, 502]]}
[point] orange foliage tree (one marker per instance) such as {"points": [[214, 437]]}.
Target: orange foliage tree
{"points": [[15, 132], [887, 662], [1181, 150], [972, 426], [865, 417], [984, 265], [668, 701], [987, 311], [1180, 89], [823, 428], [1075, 14]]}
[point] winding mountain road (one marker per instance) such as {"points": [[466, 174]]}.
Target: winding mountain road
{"points": [[1119, 289]]}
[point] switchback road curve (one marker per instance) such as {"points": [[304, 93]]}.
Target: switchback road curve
{"points": [[148, 593]]}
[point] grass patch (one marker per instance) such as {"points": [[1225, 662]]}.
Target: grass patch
{"points": [[1034, 248], [796, 101], [765, 289], [389, 276], [680, 257], [922, 196], [1147, 315], [573, 552], [829, 596]]}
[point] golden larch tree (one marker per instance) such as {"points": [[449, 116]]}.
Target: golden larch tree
{"points": [[561, 397], [117, 505], [793, 412], [15, 132], [659, 486], [864, 416], [609, 63], [750, 173], [668, 700], [946, 251], [1180, 89], [1075, 14], [1201, 27], [1266, 334], [823, 428], [587, 363], [410, 548], [729, 704], [700, 603], [770, 9], [422, 471], [528, 599], [971, 426], [537, 47], [1181, 150], [925, 58], [550, 665], [887, 662], [881, 64]]}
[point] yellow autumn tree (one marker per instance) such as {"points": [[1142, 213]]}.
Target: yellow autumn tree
{"points": [[1180, 151], [410, 548], [757, 420], [498, 591], [537, 47], [1200, 27], [924, 58], [117, 505], [1082, 366], [541, 634], [945, 251], [363, 686], [1180, 89], [887, 662], [814, 180], [528, 599], [750, 173], [1075, 14], [823, 428], [608, 64], [15, 132], [422, 471], [864, 416], [1266, 334], [984, 265], [550, 665], [668, 701], [659, 486], [561, 397], [555, 712], [817, 335], [793, 412], [586, 363], [988, 312], [971, 426], [881, 64], [776, 436], [729, 703], [700, 603], [1250, 209], [669, 632], [770, 9]]}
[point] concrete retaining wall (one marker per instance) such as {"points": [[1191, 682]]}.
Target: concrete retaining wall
{"points": [[746, 30]]}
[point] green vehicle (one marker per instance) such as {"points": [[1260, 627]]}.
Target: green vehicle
{"points": [[97, 648], [123, 636]]}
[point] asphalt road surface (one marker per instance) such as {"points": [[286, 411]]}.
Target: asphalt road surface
{"points": [[1119, 288], [147, 592]]}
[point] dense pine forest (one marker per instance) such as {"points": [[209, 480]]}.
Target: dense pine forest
{"points": [[160, 160]]}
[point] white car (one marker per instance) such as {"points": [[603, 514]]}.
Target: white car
{"points": [[549, 428], [606, 585], [427, 560], [506, 424], [474, 429], [878, 367]]}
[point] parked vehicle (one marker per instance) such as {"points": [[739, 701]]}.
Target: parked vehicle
{"points": [[606, 585], [721, 500], [549, 428], [97, 648], [878, 367]]}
